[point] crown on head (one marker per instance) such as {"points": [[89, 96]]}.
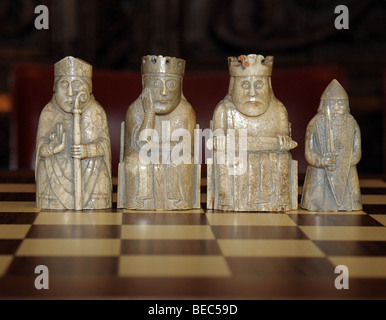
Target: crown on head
{"points": [[334, 91], [164, 65], [70, 66], [250, 65]]}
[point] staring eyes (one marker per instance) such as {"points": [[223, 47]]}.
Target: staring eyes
{"points": [[64, 84], [170, 84], [76, 84], [247, 85]]}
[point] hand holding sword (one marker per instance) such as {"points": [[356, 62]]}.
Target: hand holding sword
{"points": [[329, 159]]}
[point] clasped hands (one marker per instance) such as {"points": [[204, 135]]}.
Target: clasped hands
{"points": [[329, 160]]}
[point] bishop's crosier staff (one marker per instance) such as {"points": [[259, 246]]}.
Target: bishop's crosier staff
{"points": [[77, 139]]}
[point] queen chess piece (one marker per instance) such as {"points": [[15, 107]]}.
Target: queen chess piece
{"points": [[157, 169]]}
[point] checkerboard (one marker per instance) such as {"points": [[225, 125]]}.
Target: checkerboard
{"points": [[194, 254]]}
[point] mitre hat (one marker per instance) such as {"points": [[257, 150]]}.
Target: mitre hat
{"points": [[152, 64], [70, 66], [250, 65], [334, 91]]}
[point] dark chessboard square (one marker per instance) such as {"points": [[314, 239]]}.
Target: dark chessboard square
{"points": [[337, 219], [17, 217], [180, 247], [65, 266], [164, 218], [280, 267], [373, 190], [9, 246], [74, 231], [258, 232], [17, 196], [352, 248], [374, 208]]}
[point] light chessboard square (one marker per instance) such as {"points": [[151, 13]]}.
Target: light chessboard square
{"points": [[173, 266], [362, 267], [79, 218], [15, 206], [13, 231], [18, 187], [381, 218], [5, 261], [345, 233], [269, 248], [373, 199], [69, 247]]}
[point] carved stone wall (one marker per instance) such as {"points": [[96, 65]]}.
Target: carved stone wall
{"points": [[114, 34]]}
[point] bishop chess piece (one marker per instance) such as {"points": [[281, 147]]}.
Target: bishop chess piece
{"points": [[73, 152], [156, 169], [332, 150], [252, 168]]}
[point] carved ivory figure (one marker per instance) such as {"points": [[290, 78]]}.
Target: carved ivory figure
{"points": [[157, 170], [332, 150], [252, 167], [73, 152]]}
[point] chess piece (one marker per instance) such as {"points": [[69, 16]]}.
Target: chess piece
{"points": [[73, 152], [159, 125], [332, 150], [256, 171]]}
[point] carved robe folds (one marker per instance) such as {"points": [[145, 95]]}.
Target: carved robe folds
{"points": [[256, 172], [332, 150], [73, 153], [157, 169], [55, 174], [263, 178]]}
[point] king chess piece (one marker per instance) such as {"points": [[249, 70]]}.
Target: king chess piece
{"points": [[157, 169], [332, 150], [73, 152], [252, 167]]}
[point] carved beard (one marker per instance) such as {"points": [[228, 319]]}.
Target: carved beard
{"points": [[254, 108]]}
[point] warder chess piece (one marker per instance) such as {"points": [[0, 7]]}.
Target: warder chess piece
{"points": [[252, 167], [157, 169], [73, 152], [332, 150]]}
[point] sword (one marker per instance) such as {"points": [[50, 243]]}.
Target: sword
{"points": [[330, 135]]}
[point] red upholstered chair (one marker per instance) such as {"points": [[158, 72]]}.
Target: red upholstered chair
{"points": [[31, 87]]}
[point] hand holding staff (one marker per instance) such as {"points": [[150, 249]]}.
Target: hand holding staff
{"points": [[77, 139]]}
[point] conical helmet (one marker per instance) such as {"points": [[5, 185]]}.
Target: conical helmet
{"points": [[334, 91]]}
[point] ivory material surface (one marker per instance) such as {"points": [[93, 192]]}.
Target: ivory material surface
{"points": [[252, 168], [157, 169], [332, 150], [73, 151]]}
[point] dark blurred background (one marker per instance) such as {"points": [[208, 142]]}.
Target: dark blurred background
{"points": [[115, 34]]}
